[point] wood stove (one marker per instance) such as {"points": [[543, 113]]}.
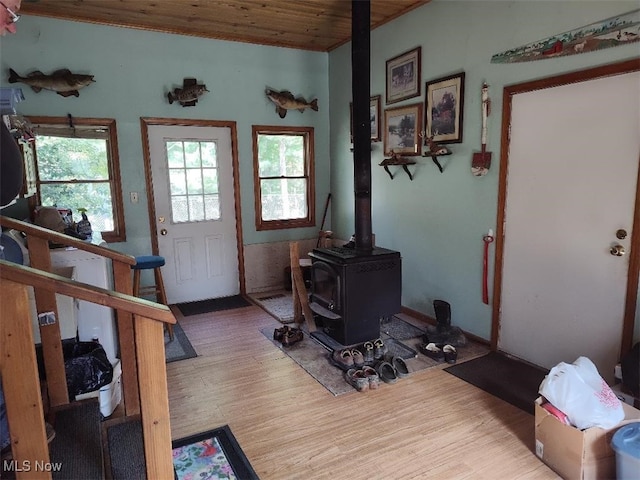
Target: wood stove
{"points": [[352, 291]]}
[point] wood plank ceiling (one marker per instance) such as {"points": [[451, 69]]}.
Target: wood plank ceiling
{"points": [[317, 25]]}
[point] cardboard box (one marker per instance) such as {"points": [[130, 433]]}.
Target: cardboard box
{"points": [[577, 454]]}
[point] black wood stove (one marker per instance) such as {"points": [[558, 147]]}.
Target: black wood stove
{"points": [[352, 291]]}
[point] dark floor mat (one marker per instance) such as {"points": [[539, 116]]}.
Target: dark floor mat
{"points": [[509, 379], [212, 305], [399, 329]]}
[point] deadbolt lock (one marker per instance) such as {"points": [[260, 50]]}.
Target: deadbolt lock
{"points": [[621, 234], [617, 251]]}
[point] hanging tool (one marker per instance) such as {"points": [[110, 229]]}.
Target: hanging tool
{"points": [[481, 162], [487, 239]]}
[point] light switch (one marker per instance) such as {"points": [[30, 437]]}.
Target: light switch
{"points": [[134, 197]]}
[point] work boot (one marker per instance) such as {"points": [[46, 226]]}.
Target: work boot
{"points": [[443, 315]]}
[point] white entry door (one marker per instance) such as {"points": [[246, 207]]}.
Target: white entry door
{"points": [[571, 188], [193, 189]]}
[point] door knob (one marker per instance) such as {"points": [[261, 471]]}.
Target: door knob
{"points": [[617, 251], [164, 232]]}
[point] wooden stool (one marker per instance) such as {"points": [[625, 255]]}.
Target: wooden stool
{"points": [[146, 262]]}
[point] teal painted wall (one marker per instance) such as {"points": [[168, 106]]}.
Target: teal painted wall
{"points": [[133, 71], [437, 220]]}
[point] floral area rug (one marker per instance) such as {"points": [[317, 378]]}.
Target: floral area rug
{"points": [[211, 455]]}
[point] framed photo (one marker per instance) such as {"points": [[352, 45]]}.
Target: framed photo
{"points": [[403, 76], [444, 102], [402, 127], [374, 118]]}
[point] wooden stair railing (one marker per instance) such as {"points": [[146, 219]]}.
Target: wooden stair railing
{"points": [[19, 371], [40, 257]]}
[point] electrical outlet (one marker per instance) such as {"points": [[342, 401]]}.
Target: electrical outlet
{"points": [[134, 197]]}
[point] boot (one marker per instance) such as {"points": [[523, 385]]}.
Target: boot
{"points": [[443, 315]]}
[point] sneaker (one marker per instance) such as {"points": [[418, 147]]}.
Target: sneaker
{"points": [[368, 353], [372, 376], [294, 335], [379, 349], [358, 358], [342, 359], [357, 379], [450, 353]]}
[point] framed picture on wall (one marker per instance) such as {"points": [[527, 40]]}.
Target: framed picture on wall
{"points": [[444, 102], [374, 118], [403, 76], [402, 127]]}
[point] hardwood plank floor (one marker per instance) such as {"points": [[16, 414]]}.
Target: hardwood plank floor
{"points": [[430, 425]]}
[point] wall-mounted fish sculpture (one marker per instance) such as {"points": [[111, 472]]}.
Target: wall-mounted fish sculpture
{"points": [[285, 100], [63, 82], [188, 95]]}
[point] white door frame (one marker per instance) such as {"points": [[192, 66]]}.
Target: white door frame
{"points": [[634, 254], [145, 123]]}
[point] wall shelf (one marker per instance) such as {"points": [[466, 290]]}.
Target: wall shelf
{"points": [[403, 162]]}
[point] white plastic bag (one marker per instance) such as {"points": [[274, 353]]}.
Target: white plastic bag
{"points": [[580, 392]]}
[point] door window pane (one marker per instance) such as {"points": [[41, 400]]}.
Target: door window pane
{"points": [[193, 179]]}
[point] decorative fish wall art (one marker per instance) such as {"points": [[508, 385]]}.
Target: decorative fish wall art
{"points": [[188, 95], [63, 82], [285, 100], [611, 32]]}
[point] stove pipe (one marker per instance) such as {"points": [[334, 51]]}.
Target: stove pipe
{"points": [[360, 87]]}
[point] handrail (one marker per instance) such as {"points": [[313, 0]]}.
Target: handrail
{"points": [[20, 376], [71, 288], [63, 239], [40, 257]]}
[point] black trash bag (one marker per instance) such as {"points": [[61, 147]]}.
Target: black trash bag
{"points": [[87, 367]]}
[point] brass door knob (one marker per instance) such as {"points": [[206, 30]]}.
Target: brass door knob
{"points": [[617, 251]]}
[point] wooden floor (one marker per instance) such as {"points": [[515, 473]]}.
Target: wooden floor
{"points": [[430, 425]]}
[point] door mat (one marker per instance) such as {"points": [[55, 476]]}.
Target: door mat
{"points": [[278, 304], [215, 454], [180, 347], [511, 380], [212, 305], [313, 357], [399, 329]]}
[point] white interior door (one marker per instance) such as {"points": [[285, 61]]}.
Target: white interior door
{"points": [[573, 166], [192, 174]]}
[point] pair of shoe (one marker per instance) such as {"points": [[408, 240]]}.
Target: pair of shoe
{"points": [[391, 368], [363, 379], [347, 358], [287, 335], [374, 350], [439, 352]]}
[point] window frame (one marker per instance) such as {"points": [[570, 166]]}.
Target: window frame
{"points": [[65, 125], [309, 174]]}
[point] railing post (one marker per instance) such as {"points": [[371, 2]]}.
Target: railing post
{"points": [[122, 283], [21, 384], [154, 401], [40, 258]]}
